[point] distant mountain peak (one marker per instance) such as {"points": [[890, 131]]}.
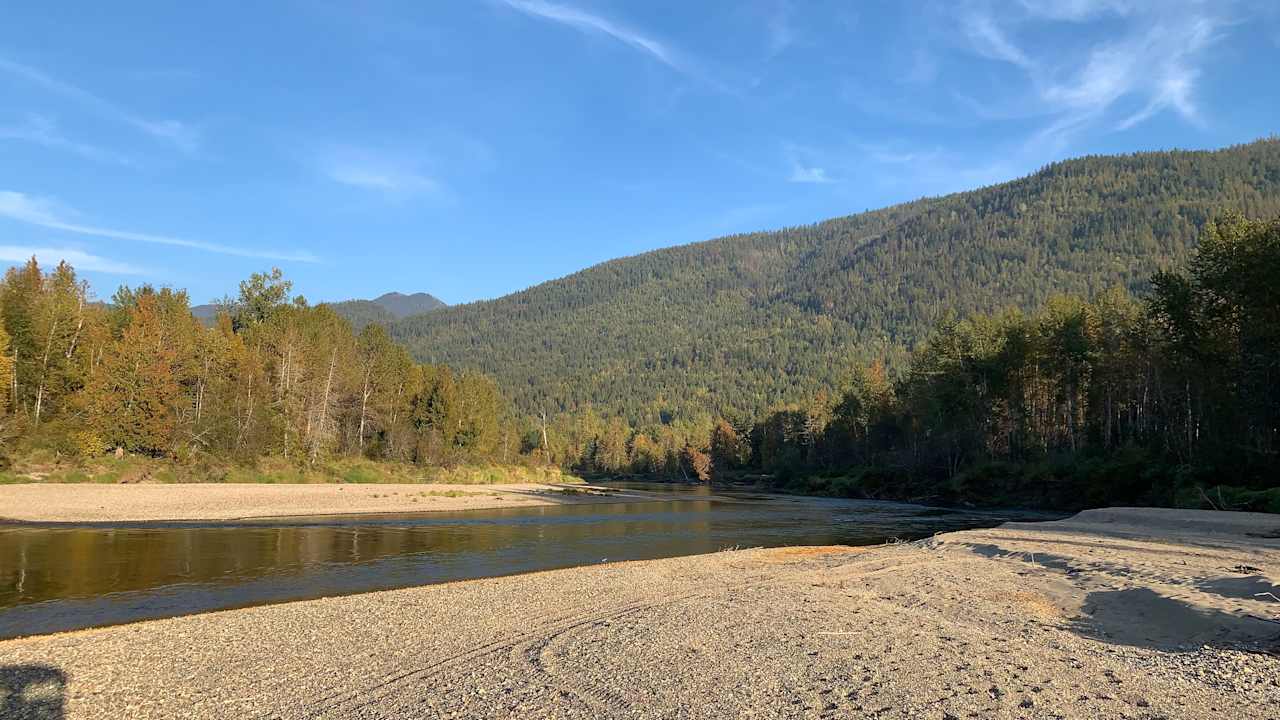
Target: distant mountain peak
{"points": [[401, 305], [386, 308]]}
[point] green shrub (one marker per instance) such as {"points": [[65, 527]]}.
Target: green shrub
{"points": [[1228, 497], [360, 474]]}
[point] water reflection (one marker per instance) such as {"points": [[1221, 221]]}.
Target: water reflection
{"points": [[59, 578]]}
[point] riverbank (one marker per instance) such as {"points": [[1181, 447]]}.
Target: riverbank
{"points": [[42, 466], [1115, 613], [94, 503]]}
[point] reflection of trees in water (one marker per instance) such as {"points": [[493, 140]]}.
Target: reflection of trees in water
{"points": [[32, 692], [43, 564], [103, 575]]}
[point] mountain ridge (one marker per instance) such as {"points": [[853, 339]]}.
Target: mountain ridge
{"points": [[385, 308], [741, 323], [402, 305]]}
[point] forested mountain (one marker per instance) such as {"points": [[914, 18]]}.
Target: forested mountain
{"points": [[205, 313], [742, 324], [384, 309], [401, 305], [1166, 396], [1169, 398]]}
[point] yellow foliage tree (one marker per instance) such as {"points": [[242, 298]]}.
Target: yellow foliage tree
{"points": [[134, 396]]}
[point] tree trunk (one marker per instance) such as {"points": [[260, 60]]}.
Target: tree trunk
{"points": [[243, 425], [364, 408], [44, 370], [321, 430], [75, 338]]}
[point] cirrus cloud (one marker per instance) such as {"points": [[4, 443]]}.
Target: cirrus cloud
{"points": [[179, 134], [78, 259], [42, 213]]}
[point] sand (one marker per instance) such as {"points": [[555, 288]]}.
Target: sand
{"points": [[1112, 614], [86, 503]]}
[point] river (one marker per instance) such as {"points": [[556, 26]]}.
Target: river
{"points": [[55, 578]]}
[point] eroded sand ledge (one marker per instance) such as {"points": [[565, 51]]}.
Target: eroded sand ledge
{"points": [[1114, 613], [86, 503]]}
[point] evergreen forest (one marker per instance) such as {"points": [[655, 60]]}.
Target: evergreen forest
{"points": [[1105, 331]]}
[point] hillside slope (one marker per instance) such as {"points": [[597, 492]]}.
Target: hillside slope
{"points": [[742, 323]]}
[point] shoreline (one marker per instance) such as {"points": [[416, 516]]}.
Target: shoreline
{"points": [[1144, 613], [71, 504]]}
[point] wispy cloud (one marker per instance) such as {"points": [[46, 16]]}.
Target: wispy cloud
{"points": [[42, 213], [902, 165], [805, 166], [179, 134], [592, 24], [812, 175], [935, 170], [779, 28], [989, 39], [383, 179], [1149, 65], [1158, 68], [78, 259], [389, 173], [1076, 10], [44, 131], [890, 154], [896, 104]]}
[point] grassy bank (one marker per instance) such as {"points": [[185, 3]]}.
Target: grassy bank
{"points": [[48, 468]]}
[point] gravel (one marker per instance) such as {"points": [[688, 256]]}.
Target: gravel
{"points": [[80, 503], [1085, 618]]}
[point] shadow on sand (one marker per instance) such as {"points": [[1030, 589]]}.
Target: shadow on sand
{"points": [[1242, 588], [32, 692], [1142, 617]]}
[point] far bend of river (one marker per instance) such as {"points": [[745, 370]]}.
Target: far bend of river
{"points": [[55, 578]]}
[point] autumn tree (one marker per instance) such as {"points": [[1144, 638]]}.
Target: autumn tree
{"points": [[699, 463], [135, 398], [728, 449], [610, 454], [646, 456], [6, 374], [376, 367], [480, 416], [45, 317]]}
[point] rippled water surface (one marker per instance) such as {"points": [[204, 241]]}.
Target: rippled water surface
{"points": [[61, 577]]}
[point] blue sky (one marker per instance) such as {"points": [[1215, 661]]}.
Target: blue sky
{"points": [[471, 148]]}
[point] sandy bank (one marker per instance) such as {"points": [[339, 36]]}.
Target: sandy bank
{"points": [[41, 502], [1119, 613]]}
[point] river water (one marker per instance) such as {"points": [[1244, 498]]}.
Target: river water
{"points": [[55, 578]]}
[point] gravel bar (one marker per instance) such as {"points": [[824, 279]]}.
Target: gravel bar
{"points": [[1112, 614]]}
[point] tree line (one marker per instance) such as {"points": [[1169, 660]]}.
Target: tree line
{"points": [[1171, 399], [272, 376], [739, 325]]}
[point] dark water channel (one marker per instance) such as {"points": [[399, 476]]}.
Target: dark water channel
{"points": [[55, 578]]}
